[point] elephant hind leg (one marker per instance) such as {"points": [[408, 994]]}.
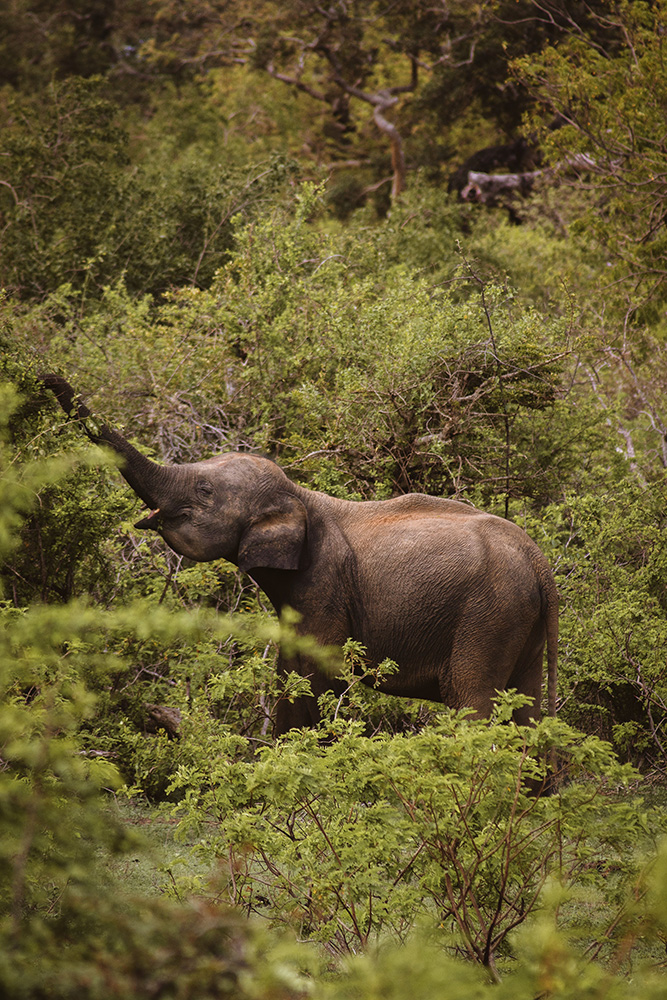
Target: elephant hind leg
{"points": [[466, 685], [475, 676], [527, 679]]}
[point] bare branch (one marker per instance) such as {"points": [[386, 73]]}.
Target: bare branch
{"points": [[294, 81]]}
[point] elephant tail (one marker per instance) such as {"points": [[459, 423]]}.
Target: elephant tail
{"points": [[552, 646]]}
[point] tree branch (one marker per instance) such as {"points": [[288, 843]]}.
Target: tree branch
{"points": [[294, 81]]}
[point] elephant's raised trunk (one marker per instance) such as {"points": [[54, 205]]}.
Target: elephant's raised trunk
{"points": [[150, 481]]}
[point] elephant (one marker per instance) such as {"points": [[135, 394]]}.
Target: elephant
{"points": [[462, 600]]}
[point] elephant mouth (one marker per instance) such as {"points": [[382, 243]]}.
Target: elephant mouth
{"points": [[152, 522]]}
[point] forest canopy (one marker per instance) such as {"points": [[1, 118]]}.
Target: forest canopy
{"points": [[397, 247]]}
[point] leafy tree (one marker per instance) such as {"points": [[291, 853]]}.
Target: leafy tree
{"points": [[53, 38], [62, 161], [402, 71], [330, 347], [76, 213], [484, 86], [336, 56], [610, 100]]}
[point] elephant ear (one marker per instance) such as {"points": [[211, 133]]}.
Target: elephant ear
{"points": [[276, 539]]}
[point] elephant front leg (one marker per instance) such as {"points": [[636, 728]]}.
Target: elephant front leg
{"points": [[302, 712]]}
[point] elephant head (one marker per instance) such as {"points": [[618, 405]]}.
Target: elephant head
{"points": [[236, 506]]}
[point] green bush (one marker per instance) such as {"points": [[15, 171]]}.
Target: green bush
{"points": [[67, 927], [79, 215], [610, 556], [343, 362], [347, 840], [361, 839]]}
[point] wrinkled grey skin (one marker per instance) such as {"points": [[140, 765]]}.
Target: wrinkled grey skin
{"points": [[463, 601]]}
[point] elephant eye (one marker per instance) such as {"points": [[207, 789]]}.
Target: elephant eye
{"points": [[204, 489]]}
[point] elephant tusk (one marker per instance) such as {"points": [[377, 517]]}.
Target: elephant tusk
{"points": [[150, 522]]}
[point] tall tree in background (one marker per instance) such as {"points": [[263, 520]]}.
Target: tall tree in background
{"points": [[612, 102], [410, 67], [347, 56], [394, 84]]}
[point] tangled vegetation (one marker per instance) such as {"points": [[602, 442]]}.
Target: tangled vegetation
{"points": [[403, 247]]}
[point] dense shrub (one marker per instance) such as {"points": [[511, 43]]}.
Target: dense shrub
{"points": [[77, 213], [611, 560]]}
